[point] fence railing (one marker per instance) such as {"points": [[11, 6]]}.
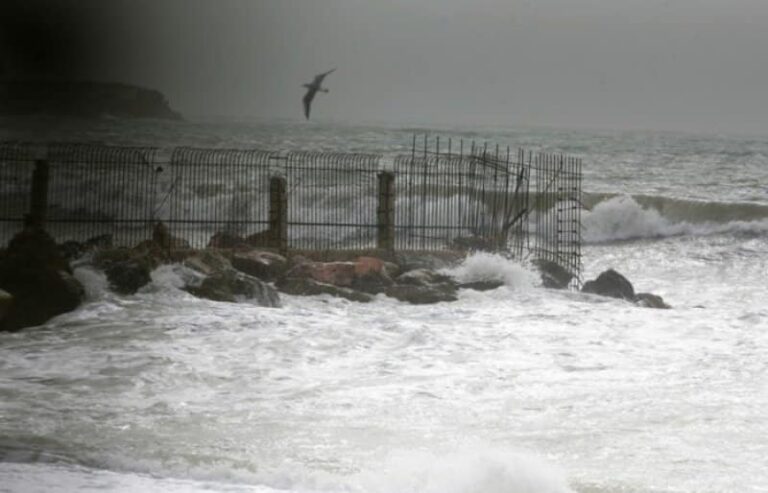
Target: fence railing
{"points": [[442, 195]]}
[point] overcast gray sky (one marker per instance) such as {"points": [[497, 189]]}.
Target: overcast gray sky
{"points": [[697, 65]]}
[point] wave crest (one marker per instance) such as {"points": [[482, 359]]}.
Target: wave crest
{"points": [[625, 218]]}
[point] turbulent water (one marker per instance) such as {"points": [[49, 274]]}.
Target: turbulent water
{"points": [[516, 390]]}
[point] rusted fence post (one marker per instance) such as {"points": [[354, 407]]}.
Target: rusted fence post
{"points": [[38, 204], [278, 213], [385, 212]]}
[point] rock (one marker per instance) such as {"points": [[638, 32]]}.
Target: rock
{"points": [[422, 295], [423, 277], [99, 242], [127, 276], [336, 273], [163, 237], [224, 239], [39, 279], [610, 283], [71, 250], [649, 300], [371, 275], [553, 275], [6, 300], [482, 285], [263, 239], [475, 243], [431, 261], [231, 285], [265, 265], [208, 262], [303, 286]]}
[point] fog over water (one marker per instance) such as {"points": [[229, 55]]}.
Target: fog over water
{"points": [[692, 65]]}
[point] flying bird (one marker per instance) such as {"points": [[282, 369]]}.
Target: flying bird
{"points": [[312, 89]]}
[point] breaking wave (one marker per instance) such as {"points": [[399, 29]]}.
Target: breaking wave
{"points": [[617, 218]]}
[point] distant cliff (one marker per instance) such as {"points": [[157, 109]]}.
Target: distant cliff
{"points": [[83, 99]]}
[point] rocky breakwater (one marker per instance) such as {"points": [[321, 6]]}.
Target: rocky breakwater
{"points": [[612, 284], [36, 281]]}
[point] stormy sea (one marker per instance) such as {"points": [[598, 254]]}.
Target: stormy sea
{"points": [[520, 389]]}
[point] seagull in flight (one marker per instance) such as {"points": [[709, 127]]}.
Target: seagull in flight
{"points": [[312, 89]]}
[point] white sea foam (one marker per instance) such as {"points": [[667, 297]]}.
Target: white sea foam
{"points": [[478, 469], [483, 266]]}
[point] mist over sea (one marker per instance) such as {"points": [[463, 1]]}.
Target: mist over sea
{"points": [[516, 390]]}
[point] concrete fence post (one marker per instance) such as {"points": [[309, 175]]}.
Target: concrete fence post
{"points": [[38, 203], [278, 213], [385, 212]]}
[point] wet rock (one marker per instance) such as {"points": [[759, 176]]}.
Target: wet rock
{"points": [[99, 242], [267, 266], [224, 239], [553, 275], [431, 261], [482, 285], [475, 243], [303, 286], [232, 286], [424, 277], [263, 239], [649, 300], [208, 262], [163, 237], [39, 279], [335, 273], [71, 250], [610, 283], [128, 276], [6, 300], [372, 275], [423, 295]]}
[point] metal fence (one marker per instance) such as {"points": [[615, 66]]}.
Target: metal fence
{"points": [[16, 164], [94, 191], [332, 199], [208, 191], [442, 195], [461, 196]]}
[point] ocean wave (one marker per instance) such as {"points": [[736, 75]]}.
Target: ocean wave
{"points": [[484, 266], [616, 218]]}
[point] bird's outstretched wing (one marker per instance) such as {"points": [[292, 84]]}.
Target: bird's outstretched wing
{"points": [[319, 78], [308, 97]]}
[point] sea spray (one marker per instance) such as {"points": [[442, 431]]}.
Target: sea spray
{"points": [[474, 469], [484, 266]]}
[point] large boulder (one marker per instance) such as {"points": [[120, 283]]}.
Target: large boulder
{"points": [[6, 300], [422, 286], [39, 279], [208, 262], [487, 285], [373, 275], [128, 276], [303, 286], [335, 273], [162, 236], [225, 239], [649, 300], [267, 266], [553, 275], [232, 286], [423, 277], [222, 282], [610, 283], [423, 295]]}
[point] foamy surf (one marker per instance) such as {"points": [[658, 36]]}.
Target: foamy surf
{"points": [[624, 218]]}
